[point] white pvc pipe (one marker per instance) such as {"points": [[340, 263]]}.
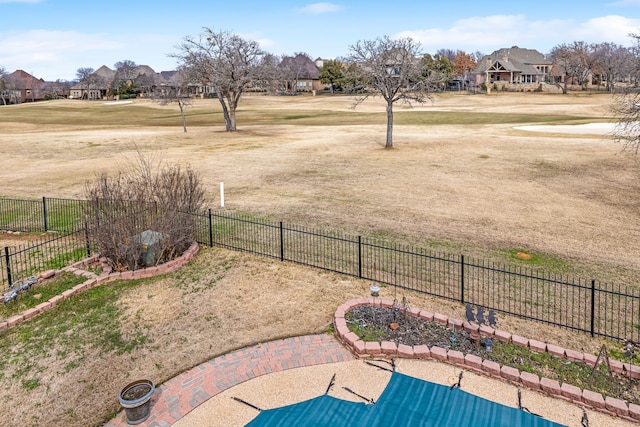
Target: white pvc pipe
{"points": [[222, 194]]}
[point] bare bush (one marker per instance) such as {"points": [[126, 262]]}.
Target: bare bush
{"points": [[626, 108], [143, 215]]}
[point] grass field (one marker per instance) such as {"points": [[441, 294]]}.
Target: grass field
{"points": [[461, 179]]}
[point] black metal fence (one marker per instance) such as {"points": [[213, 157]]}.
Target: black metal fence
{"points": [[41, 254], [583, 305], [48, 214]]}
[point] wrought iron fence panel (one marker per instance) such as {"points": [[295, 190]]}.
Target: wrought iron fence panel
{"points": [[616, 311], [64, 214], [44, 254], [21, 215], [410, 268], [244, 233], [334, 252], [528, 293]]}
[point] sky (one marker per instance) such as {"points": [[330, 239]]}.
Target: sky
{"points": [[52, 39]]}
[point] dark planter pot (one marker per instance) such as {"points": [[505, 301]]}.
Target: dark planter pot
{"points": [[135, 398]]}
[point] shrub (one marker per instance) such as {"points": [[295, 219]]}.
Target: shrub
{"points": [[144, 214]]}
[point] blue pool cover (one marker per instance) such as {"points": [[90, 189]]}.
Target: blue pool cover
{"points": [[406, 401]]}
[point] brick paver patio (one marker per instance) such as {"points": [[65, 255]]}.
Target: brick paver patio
{"points": [[180, 395]]}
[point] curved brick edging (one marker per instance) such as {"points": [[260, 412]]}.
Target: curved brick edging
{"points": [[95, 280], [565, 391]]}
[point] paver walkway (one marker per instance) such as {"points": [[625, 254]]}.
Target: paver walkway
{"points": [[180, 395]]}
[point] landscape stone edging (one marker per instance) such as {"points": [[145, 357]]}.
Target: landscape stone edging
{"points": [[94, 280], [565, 391]]}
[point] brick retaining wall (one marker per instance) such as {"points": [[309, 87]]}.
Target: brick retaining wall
{"points": [[565, 391], [106, 276]]}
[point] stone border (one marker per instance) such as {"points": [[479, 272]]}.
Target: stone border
{"points": [[94, 280], [565, 391]]}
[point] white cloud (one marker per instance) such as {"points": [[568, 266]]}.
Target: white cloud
{"points": [[260, 38], [472, 33], [625, 3], [320, 8], [58, 54], [31, 47], [489, 33], [612, 28]]}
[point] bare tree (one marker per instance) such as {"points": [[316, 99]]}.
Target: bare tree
{"points": [[146, 83], [576, 60], [634, 65], [3, 85], [392, 69], [477, 55], [450, 54], [226, 62], [12, 88], [88, 80], [626, 108], [58, 89], [626, 105], [269, 79], [612, 60], [124, 79], [175, 92]]}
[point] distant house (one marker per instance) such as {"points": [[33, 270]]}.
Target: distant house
{"points": [[95, 87], [513, 65], [98, 85], [299, 74], [21, 86], [180, 79]]}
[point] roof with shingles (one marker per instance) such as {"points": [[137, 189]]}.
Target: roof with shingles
{"points": [[24, 80], [514, 59], [105, 72], [306, 67]]}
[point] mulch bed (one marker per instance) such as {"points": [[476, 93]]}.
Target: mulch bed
{"points": [[377, 323]]}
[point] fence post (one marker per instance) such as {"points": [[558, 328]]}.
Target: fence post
{"points": [[44, 213], [86, 239], [8, 261], [360, 257], [281, 242], [210, 229], [593, 307], [462, 279]]}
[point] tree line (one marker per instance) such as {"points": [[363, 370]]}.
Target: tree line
{"points": [[395, 69]]}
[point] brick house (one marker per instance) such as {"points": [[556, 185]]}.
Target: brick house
{"points": [[300, 74], [21, 86]]}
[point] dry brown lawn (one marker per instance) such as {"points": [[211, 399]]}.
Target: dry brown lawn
{"points": [[480, 186], [476, 188]]}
